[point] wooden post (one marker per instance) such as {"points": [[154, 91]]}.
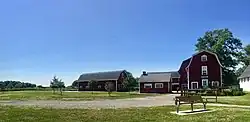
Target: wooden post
{"points": [[182, 91], [204, 105], [216, 95], [192, 107]]}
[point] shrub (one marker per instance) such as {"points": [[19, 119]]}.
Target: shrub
{"points": [[233, 92], [221, 94], [226, 92]]}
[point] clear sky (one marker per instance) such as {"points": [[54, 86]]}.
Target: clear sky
{"points": [[42, 38]]}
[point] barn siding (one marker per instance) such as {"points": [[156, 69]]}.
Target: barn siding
{"points": [[82, 86], [165, 88], [195, 69]]}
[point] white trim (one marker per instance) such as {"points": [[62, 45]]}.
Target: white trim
{"points": [[175, 84], [193, 83], [116, 85], [207, 52], [175, 77], [204, 80], [205, 57], [221, 77], [204, 68], [148, 84], [188, 77], [165, 80], [216, 82], [159, 84]]}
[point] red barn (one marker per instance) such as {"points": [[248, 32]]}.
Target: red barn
{"points": [[202, 70], [115, 77], [158, 82]]}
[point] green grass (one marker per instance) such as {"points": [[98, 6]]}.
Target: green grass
{"points": [[236, 100], [153, 114], [48, 95]]}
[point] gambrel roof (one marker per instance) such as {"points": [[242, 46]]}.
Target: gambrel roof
{"points": [[110, 75], [186, 63]]}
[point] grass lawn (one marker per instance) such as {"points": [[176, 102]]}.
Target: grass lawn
{"points": [[48, 95], [153, 114], [237, 100]]}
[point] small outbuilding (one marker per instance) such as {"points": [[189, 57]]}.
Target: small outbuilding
{"points": [[155, 82], [244, 79]]}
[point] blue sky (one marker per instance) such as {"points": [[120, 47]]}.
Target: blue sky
{"points": [[66, 38]]}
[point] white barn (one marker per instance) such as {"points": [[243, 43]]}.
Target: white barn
{"points": [[244, 79]]}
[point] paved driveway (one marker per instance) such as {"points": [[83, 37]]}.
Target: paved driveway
{"points": [[119, 103]]}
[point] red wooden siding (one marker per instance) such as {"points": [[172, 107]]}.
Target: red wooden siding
{"points": [[82, 86], [165, 88], [213, 68], [183, 73]]}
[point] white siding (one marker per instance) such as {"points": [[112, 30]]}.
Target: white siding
{"points": [[245, 84]]}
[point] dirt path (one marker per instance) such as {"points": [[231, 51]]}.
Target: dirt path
{"points": [[119, 103]]}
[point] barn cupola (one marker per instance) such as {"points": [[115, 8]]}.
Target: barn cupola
{"points": [[144, 73]]}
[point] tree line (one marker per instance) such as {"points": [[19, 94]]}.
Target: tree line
{"points": [[15, 84]]}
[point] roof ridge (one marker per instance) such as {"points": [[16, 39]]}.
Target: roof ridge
{"points": [[103, 72]]}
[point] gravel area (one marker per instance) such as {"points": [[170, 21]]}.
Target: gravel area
{"points": [[118, 103]]}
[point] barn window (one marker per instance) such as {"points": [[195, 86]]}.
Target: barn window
{"points": [[215, 83], [158, 85], [204, 82], [148, 85], [194, 85], [204, 70], [203, 58]]}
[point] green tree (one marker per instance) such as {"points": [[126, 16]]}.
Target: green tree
{"points": [[129, 82], [39, 86], [75, 84], [245, 59], [2, 86], [61, 86], [9, 86], [126, 85], [19, 85], [57, 83], [54, 83], [109, 86], [228, 49], [92, 85]]}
